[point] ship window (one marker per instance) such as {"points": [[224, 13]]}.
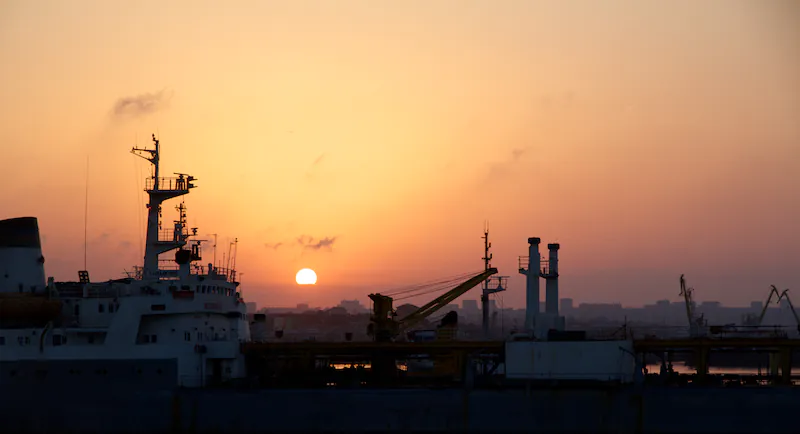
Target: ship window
{"points": [[110, 307], [77, 309], [187, 336], [185, 288], [100, 307], [2, 340], [157, 307], [90, 339], [57, 340], [153, 338], [146, 339]]}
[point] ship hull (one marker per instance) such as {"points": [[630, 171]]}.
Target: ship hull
{"points": [[53, 375]]}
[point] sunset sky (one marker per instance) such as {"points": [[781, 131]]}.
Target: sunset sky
{"points": [[370, 140]]}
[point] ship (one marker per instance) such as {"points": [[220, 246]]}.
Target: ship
{"points": [[171, 322]]}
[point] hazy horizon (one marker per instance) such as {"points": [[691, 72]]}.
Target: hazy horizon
{"points": [[370, 141]]}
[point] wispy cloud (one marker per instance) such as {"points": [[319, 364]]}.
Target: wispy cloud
{"points": [[323, 243], [313, 170], [143, 104], [309, 243], [500, 169], [273, 246]]}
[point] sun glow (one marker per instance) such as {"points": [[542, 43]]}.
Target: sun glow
{"points": [[306, 276]]}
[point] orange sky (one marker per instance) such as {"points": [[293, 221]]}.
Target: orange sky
{"points": [[649, 138]]}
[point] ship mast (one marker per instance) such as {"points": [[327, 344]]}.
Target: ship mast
{"points": [[159, 190]]}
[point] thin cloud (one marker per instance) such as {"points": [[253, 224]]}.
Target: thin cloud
{"points": [[323, 243], [314, 168], [501, 169], [140, 105], [273, 246], [304, 239], [308, 243]]}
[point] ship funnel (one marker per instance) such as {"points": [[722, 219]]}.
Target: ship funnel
{"points": [[21, 260], [532, 283], [551, 281]]}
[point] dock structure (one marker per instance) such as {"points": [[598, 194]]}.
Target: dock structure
{"points": [[780, 348], [448, 359]]}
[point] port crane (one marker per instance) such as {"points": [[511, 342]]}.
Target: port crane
{"points": [[753, 320], [385, 328], [757, 321], [785, 294], [696, 324]]}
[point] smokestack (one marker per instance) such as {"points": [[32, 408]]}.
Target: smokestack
{"points": [[551, 281], [21, 260], [532, 283]]}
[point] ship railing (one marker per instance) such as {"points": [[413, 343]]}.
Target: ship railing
{"points": [[169, 184], [544, 267], [172, 236], [219, 273], [524, 262]]}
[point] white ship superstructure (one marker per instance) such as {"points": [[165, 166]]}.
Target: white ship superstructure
{"points": [[173, 321]]}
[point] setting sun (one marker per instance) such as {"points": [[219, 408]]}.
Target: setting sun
{"points": [[306, 276]]}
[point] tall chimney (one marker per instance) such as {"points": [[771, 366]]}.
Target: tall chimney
{"points": [[532, 284], [21, 260], [551, 281]]}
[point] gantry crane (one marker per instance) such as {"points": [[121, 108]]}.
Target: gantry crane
{"points": [[383, 325]]}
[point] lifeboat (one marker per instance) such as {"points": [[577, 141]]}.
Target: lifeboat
{"points": [[27, 310]]}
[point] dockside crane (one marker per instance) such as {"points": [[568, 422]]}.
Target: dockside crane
{"points": [[785, 294], [696, 325], [752, 320], [383, 325], [757, 321]]}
